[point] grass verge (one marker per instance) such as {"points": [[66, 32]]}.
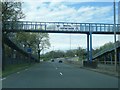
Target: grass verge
{"points": [[14, 68], [0, 73]]}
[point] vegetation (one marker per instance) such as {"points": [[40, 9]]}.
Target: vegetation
{"points": [[104, 47], [14, 68], [37, 42], [12, 11], [81, 53]]}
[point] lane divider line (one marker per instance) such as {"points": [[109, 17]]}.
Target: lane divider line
{"points": [[56, 68], [26, 69], [18, 72], [61, 73], [3, 79]]}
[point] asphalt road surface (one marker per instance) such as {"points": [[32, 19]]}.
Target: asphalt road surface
{"points": [[58, 75]]}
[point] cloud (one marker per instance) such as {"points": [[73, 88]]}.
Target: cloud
{"points": [[58, 1], [78, 40], [66, 0], [58, 11]]}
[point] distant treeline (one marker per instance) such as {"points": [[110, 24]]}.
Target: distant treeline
{"points": [[79, 52]]}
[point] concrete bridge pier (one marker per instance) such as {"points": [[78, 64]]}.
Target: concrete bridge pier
{"points": [[89, 62]]}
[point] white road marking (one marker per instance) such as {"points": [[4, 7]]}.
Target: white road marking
{"points": [[3, 79], [61, 73], [56, 68], [26, 69], [18, 72]]}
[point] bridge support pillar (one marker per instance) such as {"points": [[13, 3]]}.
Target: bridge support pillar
{"points": [[90, 46], [87, 47], [89, 62]]}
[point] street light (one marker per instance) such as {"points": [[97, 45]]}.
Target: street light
{"points": [[70, 41], [53, 53], [39, 50], [115, 37]]}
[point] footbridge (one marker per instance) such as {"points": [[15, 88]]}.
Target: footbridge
{"points": [[63, 27], [60, 27]]}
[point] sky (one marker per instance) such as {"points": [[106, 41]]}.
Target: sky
{"points": [[89, 11]]}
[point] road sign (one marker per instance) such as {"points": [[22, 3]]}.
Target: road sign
{"points": [[29, 50]]}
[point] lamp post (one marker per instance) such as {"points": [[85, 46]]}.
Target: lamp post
{"points": [[53, 53], [115, 36], [39, 50], [70, 41]]}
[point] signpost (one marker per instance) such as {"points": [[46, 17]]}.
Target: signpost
{"points": [[29, 50]]}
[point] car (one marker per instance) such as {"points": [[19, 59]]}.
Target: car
{"points": [[52, 60], [60, 61]]}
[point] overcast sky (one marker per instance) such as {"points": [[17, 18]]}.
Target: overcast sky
{"points": [[82, 12]]}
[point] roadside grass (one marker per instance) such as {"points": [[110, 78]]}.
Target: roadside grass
{"points": [[0, 73], [10, 69]]}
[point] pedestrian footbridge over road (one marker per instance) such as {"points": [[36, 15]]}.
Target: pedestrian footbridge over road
{"points": [[63, 27], [60, 27]]}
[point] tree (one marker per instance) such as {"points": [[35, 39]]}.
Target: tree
{"points": [[107, 45], [104, 47], [37, 42], [54, 54], [70, 53], [43, 41], [81, 53], [12, 11]]}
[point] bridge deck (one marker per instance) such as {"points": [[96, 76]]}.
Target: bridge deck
{"points": [[60, 27]]}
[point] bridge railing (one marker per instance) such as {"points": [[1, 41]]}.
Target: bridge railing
{"points": [[59, 26], [106, 50]]}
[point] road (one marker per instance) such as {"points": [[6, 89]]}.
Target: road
{"points": [[58, 75]]}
